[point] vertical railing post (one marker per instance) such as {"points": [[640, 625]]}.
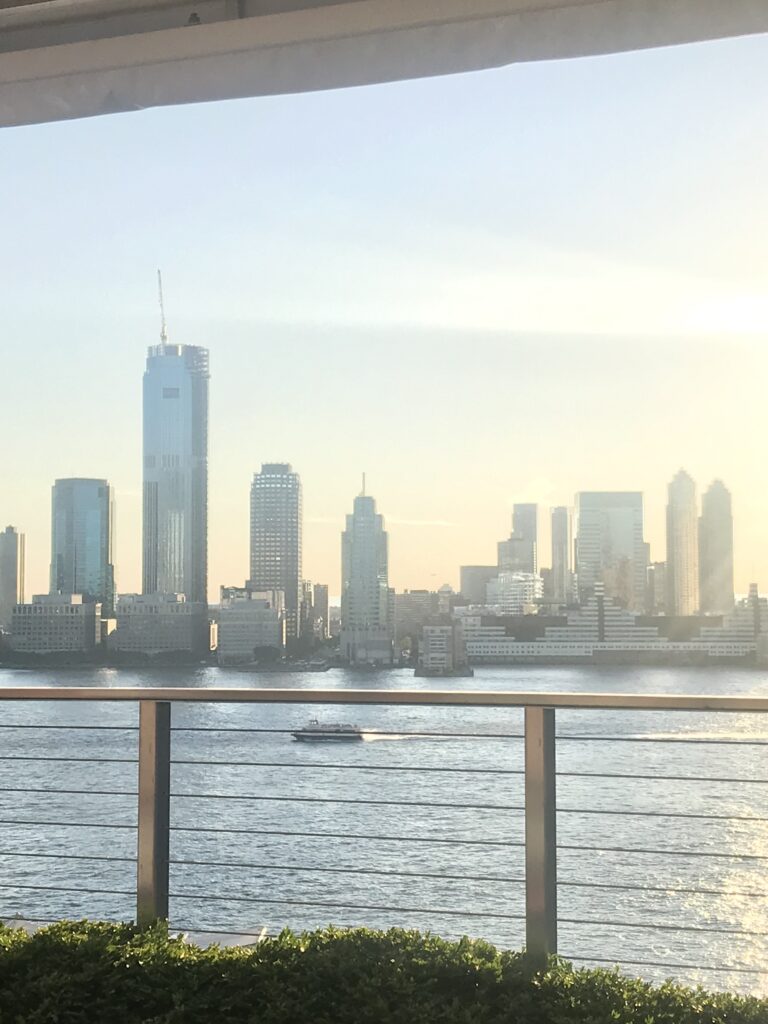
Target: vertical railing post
{"points": [[154, 811], [540, 834]]}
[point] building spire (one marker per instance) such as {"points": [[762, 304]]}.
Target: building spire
{"points": [[362, 493], [163, 327]]}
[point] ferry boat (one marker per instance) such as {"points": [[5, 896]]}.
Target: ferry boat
{"points": [[316, 732]]}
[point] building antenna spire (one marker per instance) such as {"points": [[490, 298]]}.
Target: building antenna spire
{"points": [[363, 490], [163, 327]]}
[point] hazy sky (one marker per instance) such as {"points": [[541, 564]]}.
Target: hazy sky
{"points": [[488, 288]]}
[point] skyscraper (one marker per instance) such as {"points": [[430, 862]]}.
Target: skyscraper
{"points": [[716, 550], [11, 573], [81, 540], [175, 546], [562, 554], [682, 546], [610, 547], [367, 604], [520, 552], [320, 601], [276, 538]]}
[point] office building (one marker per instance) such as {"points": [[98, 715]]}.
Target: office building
{"points": [[11, 574], [474, 579], [610, 548], [320, 600], [515, 593], [307, 611], [562, 555], [716, 551], [682, 546], [656, 599], [82, 513], [56, 624], [276, 538], [251, 626], [520, 552], [413, 610], [152, 624], [442, 651], [367, 604], [175, 541]]}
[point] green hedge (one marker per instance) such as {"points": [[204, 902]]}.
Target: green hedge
{"points": [[72, 973]]}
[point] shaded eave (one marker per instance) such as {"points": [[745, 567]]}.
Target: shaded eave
{"points": [[79, 58]]}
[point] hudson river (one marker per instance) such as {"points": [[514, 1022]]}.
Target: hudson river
{"points": [[382, 833]]}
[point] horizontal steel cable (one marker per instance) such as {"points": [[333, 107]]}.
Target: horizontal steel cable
{"points": [[441, 876], [661, 927], [661, 778], [257, 797], [66, 856], [336, 835], [659, 963], [561, 737], [354, 767], [665, 853], [89, 728], [348, 800], [74, 760], [70, 792], [330, 905], [290, 730], [360, 767], [313, 869], [488, 771], [68, 824], [70, 888]]}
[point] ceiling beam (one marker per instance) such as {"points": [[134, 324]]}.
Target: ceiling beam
{"points": [[113, 55]]}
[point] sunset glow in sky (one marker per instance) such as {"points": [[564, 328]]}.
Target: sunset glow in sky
{"points": [[481, 289]]}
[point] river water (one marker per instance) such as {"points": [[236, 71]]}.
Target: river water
{"points": [[292, 846]]}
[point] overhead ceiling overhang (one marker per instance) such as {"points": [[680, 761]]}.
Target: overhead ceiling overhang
{"points": [[79, 58]]}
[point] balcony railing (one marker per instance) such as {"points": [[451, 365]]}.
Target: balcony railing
{"points": [[465, 852]]}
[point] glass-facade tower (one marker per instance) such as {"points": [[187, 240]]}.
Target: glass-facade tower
{"points": [[175, 536], [276, 529], [716, 550], [81, 540]]}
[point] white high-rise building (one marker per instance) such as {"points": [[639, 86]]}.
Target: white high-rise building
{"points": [[175, 544], [276, 537], [367, 603], [610, 547], [11, 574], [515, 593], [716, 550], [682, 546]]}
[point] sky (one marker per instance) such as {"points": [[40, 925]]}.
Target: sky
{"points": [[478, 289]]}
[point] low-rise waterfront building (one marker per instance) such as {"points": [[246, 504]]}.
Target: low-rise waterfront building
{"points": [[153, 624], [56, 624], [443, 651], [602, 630], [251, 625]]}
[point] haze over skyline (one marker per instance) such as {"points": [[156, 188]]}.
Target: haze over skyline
{"points": [[483, 289]]}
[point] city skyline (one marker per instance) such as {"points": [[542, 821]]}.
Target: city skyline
{"points": [[471, 309]]}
